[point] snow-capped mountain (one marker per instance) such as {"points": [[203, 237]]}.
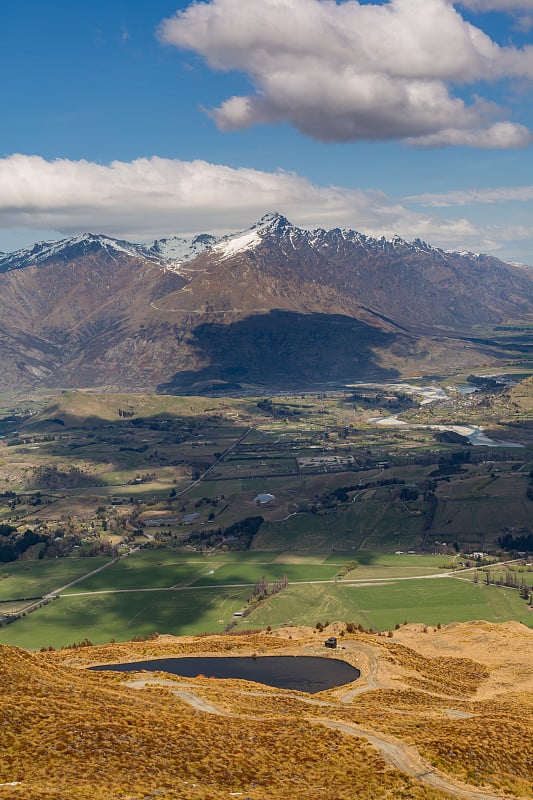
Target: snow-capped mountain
{"points": [[72, 247], [177, 250], [274, 226], [272, 305]]}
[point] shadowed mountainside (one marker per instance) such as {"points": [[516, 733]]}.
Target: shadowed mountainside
{"points": [[274, 305]]}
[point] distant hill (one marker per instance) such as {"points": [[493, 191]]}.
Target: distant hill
{"points": [[271, 306]]}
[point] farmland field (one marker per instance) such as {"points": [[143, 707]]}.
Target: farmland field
{"points": [[361, 525], [165, 568], [171, 591], [382, 606], [122, 616], [182, 478], [36, 578]]}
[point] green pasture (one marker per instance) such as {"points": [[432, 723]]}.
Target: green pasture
{"points": [[379, 559], [376, 565], [253, 469], [240, 557], [123, 615], [36, 578], [479, 519], [436, 601], [373, 524], [165, 568], [234, 573], [203, 608], [162, 569], [126, 576], [382, 606], [215, 487]]}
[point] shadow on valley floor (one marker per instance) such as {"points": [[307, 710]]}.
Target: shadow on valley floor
{"points": [[286, 350]]}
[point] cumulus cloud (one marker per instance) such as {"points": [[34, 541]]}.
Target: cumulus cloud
{"points": [[354, 71], [500, 136], [154, 197]]}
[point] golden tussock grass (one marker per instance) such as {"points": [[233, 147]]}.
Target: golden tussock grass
{"points": [[67, 733]]}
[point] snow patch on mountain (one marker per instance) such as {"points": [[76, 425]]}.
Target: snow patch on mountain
{"points": [[179, 250], [237, 244], [270, 225], [464, 253]]}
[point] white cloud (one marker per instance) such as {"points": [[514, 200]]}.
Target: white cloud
{"points": [[155, 197], [497, 5], [348, 71], [464, 197], [500, 136]]}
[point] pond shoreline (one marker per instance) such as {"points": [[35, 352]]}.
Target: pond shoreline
{"points": [[311, 674]]}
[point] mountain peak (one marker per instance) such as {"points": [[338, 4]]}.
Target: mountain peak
{"points": [[272, 221]]}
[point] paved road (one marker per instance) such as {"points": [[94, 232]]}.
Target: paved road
{"points": [[217, 462]]}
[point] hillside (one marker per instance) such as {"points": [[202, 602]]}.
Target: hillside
{"points": [[272, 306], [521, 396], [436, 713]]}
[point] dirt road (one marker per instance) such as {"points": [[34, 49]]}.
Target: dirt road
{"points": [[395, 753]]}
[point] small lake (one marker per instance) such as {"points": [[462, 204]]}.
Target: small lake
{"points": [[301, 673]]}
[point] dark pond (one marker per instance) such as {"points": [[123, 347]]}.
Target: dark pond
{"points": [[303, 673]]}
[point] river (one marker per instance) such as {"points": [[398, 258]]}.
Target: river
{"points": [[431, 394]]}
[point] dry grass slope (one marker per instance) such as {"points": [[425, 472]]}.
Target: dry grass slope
{"points": [[441, 698]]}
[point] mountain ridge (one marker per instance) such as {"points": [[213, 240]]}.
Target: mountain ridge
{"points": [[182, 249], [274, 305]]}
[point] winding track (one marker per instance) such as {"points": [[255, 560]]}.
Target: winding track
{"points": [[396, 753]]}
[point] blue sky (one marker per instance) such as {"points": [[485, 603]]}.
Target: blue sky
{"points": [[145, 119]]}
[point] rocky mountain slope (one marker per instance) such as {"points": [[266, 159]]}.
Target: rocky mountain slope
{"points": [[273, 305]]}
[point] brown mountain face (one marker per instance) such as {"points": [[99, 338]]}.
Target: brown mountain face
{"points": [[274, 306]]}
